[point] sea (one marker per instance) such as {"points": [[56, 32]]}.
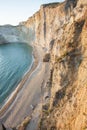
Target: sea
{"points": [[15, 60]]}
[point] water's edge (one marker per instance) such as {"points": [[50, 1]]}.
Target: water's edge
{"points": [[12, 97], [14, 92]]}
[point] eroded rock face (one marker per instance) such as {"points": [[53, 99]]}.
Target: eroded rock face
{"points": [[64, 34], [20, 33], [68, 58]]}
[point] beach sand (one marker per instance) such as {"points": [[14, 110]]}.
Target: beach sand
{"points": [[29, 92]]}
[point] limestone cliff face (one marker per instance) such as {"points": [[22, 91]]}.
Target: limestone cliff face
{"points": [[9, 33], [62, 30], [66, 34], [44, 23]]}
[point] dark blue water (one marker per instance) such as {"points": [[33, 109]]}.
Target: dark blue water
{"points": [[15, 60]]}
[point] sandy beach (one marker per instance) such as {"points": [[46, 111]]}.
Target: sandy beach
{"points": [[18, 88], [28, 93]]}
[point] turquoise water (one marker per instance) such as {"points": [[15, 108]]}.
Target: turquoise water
{"points": [[15, 60]]}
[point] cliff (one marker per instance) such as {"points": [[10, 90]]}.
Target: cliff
{"points": [[65, 36], [61, 30]]}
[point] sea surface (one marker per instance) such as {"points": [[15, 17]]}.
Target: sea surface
{"points": [[15, 60]]}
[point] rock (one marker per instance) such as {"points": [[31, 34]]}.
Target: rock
{"points": [[46, 58], [1, 128]]}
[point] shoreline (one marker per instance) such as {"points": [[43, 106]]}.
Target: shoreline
{"points": [[30, 94], [13, 95]]}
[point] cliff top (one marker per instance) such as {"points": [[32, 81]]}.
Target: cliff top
{"points": [[51, 5]]}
